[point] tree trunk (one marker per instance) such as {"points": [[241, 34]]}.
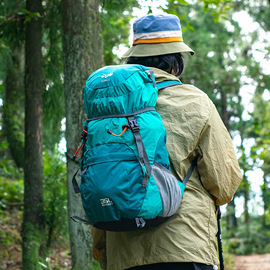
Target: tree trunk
{"points": [[266, 199], [246, 198], [231, 217], [14, 106], [224, 112], [82, 47], [33, 218]]}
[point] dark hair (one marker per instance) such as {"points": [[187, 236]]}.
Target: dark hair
{"points": [[167, 62]]}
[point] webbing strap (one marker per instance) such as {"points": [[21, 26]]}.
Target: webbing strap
{"points": [[150, 74], [121, 114], [80, 220], [165, 84], [190, 171], [143, 158], [75, 184], [161, 86]]}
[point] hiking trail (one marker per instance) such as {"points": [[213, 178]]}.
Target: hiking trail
{"points": [[252, 262]]}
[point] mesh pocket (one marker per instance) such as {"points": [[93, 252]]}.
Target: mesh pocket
{"points": [[169, 188]]}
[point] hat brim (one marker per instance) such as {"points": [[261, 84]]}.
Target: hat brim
{"points": [[144, 50]]}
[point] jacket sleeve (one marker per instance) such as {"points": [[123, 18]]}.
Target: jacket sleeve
{"points": [[218, 165], [99, 246]]}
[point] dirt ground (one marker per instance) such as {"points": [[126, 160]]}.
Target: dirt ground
{"points": [[252, 262], [11, 250]]}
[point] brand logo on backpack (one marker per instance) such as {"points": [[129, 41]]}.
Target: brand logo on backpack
{"points": [[105, 76], [106, 202]]}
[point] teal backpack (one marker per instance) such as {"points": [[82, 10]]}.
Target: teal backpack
{"points": [[126, 183]]}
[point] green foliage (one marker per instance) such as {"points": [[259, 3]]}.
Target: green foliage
{"points": [[53, 95], [11, 179], [229, 259], [254, 237], [267, 217], [12, 33], [9, 225], [6, 165], [11, 73], [31, 244], [259, 10], [115, 17], [250, 238], [28, 15], [213, 67], [221, 60], [95, 265], [260, 151], [11, 195], [115, 21], [221, 57], [219, 9], [55, 198], [11, 192], [12, 22]]}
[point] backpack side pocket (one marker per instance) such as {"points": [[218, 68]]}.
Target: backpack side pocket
{"points": [[170, 189]]}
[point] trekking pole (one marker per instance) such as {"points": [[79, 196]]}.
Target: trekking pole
{"points": [[220, 251]]}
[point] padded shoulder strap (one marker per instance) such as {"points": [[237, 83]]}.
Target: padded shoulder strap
{"points": [[165, 84]]}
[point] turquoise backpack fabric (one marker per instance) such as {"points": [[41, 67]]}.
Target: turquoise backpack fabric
{"points": [[126, 181]]}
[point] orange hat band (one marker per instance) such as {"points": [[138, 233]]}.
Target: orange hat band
{"points": [[157, 40]]}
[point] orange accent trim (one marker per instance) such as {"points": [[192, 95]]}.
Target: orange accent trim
{"points": [[78, 150], [124, 130], [158, 40], [79, 146], [96, 254]]}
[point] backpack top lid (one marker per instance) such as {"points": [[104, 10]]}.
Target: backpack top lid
{"points": [[121, 89]]}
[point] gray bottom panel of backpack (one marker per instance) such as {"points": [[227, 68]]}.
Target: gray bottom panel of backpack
{"points": [[130, 224]]}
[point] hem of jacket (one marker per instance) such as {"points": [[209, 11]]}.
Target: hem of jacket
{"points": [[154, 259]]}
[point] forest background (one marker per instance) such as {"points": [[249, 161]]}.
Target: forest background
{"points": [[47, 51]]}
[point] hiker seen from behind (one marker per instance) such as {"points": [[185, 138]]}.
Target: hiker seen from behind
{"points": [[195, 135]]}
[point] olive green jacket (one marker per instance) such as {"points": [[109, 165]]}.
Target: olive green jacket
{"points": [[194, 128]]}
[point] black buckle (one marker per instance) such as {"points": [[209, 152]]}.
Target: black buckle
{"points": [[84, 135], [133, 125]]}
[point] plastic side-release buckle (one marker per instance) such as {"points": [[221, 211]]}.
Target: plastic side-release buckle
{"points": [[140, 222], [133, 125], [84, 134]]}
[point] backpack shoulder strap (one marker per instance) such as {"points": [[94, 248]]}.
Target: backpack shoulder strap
{"points": [[161, 86], [165, 84], [190, 170]]}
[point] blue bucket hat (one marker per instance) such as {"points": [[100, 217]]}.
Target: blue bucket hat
{"points": [[157, 35]]}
